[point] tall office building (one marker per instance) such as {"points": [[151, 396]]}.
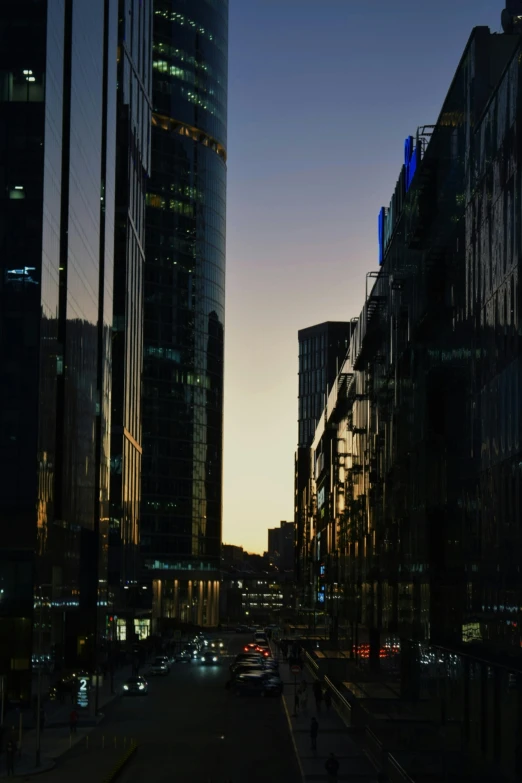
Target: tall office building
{"points": [[57, 169], [133, 168], [322, 349], [184, 311]]}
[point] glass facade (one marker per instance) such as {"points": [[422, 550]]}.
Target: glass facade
{"points": [[413, 507], [133, 169], [185, 292], [57, 168]]}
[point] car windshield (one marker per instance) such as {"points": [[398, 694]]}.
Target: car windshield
{"points": [[135, 680]]}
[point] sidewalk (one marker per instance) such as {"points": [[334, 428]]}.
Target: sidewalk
{"points": [[56, 739], [333, 737]]}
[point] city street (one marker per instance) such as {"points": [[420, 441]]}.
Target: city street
{"points": [[192, 730]]}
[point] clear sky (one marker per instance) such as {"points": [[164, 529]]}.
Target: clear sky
{"points": [[322, 94]]}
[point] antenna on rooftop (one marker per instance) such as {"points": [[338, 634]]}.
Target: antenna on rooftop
{"points": [[512, 17]]}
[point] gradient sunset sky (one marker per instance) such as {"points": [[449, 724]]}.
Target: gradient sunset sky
{"points": [[322, 94]]}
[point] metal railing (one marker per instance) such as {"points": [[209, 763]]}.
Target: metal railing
{"points": [[342, 706], [396, 774]]}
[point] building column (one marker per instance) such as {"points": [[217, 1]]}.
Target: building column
{"points": [[201, 597], [215, 602], [176, 612]]}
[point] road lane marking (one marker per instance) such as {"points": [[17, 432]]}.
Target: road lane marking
{"points": [[301, 771]]}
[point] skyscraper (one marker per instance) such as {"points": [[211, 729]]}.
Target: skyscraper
{"points": [[133, 168], [322, 349], [57, 165], [184, 310]]}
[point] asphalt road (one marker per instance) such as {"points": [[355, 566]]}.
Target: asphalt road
{"points": [[191, 729]]}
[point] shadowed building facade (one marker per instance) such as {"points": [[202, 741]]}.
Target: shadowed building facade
{"points": [[57, 168], [133, 169], [184, 311]]}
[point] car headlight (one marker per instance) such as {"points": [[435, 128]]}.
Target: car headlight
{"points": [[141, 686], [221, 645], [214, 658], [125, 687], [202, 657]]}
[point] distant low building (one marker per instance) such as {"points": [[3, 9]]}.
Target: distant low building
{"points": [[253, 589]]}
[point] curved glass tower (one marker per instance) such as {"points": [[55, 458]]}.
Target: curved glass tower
{"points": [[184, 311]]}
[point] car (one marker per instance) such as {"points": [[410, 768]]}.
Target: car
{"points": [[243, 629], [209, 656], [260, 637], [250, 647], [245, 668], [217, 644], [252, 657], [159, 667], [193, 649], [136, 686], [273, 684], [263, 650], [257, 683], [184, 656], [248, 664]]}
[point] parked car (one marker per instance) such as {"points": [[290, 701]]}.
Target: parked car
{"points": [[257, 683], [136, 686]]}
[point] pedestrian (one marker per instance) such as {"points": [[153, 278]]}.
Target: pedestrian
{"points": [[332, 768], [327, 696], [10, 754], [304, 696], [314, 731], [318, 695], [73, 721]]}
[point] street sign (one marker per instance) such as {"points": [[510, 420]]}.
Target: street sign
{"points": [[295, 669]]}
